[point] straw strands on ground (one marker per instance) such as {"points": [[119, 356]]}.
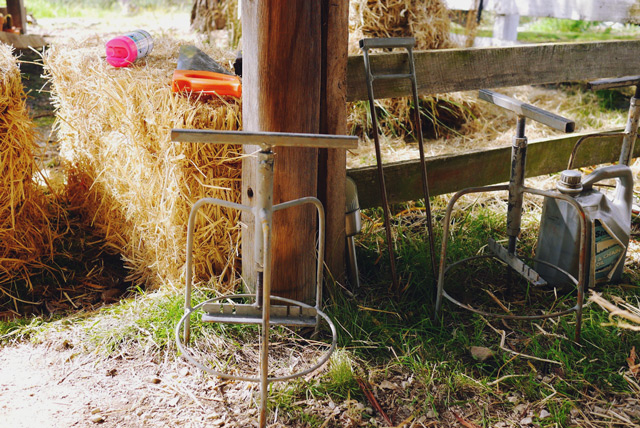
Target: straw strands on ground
{"points": [[621, 313], [130, 182], [27, 226]]}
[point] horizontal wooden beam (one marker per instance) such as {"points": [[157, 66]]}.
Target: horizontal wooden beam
{"points": [[452, 70], [448, 174], [22, 41], [585, 10]]}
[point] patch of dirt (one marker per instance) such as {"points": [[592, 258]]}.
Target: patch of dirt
{"points": [[58, 387]]}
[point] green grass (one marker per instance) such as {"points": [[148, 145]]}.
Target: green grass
{"points": [[384, 335], [96, 8], [382, 328], [550, 30]]}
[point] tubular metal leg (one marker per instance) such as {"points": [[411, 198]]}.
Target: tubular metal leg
{"points": [[189, 262]]}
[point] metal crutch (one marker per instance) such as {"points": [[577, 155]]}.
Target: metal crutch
{"points": [[292, 313], [407, 43], [516, 190]]}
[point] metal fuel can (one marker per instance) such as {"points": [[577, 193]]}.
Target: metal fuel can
{"points": [[609, 227]]}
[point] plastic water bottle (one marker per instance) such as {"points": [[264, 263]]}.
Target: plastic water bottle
{"points": [[122, 51]]}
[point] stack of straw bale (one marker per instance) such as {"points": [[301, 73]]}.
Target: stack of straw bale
{"points": [[27, 232], [130, 182]]}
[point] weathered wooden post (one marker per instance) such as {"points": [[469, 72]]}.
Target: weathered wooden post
{"points": [[283, 91], [16, 9], [333, 120]]}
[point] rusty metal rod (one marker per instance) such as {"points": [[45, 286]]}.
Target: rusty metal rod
{"points": [[383, 187], [423, 170]]}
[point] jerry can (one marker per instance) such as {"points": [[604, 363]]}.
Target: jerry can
{"points": [[608, 227]]}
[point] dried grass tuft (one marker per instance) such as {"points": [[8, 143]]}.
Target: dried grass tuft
{"points": [[128, 180], [28, 213]]}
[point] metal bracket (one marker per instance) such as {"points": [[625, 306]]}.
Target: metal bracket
{"points": [[518, 265], [242, 313]]}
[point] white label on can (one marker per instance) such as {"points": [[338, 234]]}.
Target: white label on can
{"points": [[608, 251]]}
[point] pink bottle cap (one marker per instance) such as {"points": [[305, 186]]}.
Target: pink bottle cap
{"points": [[121, 51]]}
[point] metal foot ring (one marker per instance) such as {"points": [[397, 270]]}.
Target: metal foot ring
{"points": [[506, 316], [202, 367]]}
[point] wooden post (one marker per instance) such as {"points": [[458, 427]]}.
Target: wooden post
{"points": [[505, 26], [333, 120], [16, 9], [281, 93]]}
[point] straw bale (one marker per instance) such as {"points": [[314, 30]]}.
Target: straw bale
{"points": [[218, 21], [26, 232], [129, 181], [428, 22]]}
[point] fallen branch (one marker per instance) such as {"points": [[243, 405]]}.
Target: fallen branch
{"points": [[503, 338], [372, 399]]}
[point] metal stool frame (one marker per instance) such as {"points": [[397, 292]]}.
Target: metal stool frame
{"points": [[263, 213], [516, 191]]}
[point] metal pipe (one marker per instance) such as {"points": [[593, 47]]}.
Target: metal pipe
{"points": [[266, 221], [516, 184], [353, 262], [631, 129], [264, 201], [423, 170], [262, 254]]}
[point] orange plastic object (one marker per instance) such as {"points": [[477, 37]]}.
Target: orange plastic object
{"points": [[207, 83]]}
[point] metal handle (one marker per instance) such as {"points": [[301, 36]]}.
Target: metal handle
{"points": [[624, 192], [527, 110], [619, 82], [388, 42]]}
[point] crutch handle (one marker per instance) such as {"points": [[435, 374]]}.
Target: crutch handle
{"points": [[388, 42], [527, 110]]}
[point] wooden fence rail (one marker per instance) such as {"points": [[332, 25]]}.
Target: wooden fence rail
{"points": [[451, 173], [451, 70]]}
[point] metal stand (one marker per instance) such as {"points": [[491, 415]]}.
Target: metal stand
{"points": [[630, 132], [292, 313], [516, 191], [407, 43]]}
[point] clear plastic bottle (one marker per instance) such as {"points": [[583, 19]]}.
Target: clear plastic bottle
{"points": [[122, 51]]}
